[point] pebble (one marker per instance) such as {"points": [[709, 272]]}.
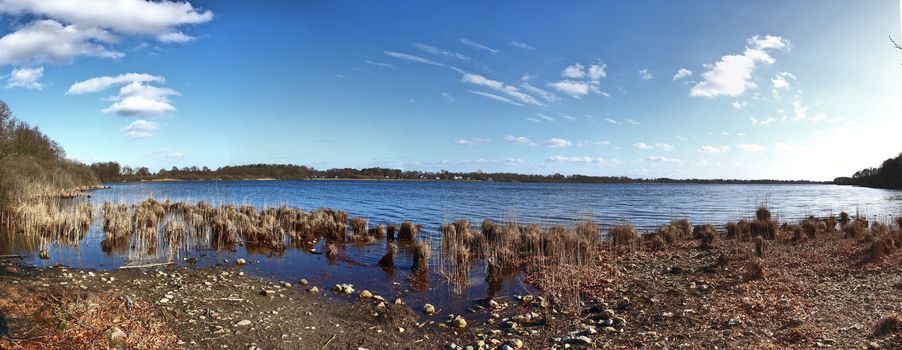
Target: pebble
{"points": [[515, 343], [241, 261], [429, 309], [459, 322], [365, 294], [243, 323], [313, 290]]}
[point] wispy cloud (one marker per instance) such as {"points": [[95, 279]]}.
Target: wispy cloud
{"points": [[448, 97], [765, 121], [660, 159], [520, 140], [642, 145], [471, 141], [381, 64], [644, 74], [611, 121], [520, 45], [510, 90], [602, 143], [584, 160], [495, 97], [547, 96], [733, 74], [682, 74], [555, 142], [581, 80], [141, 129], [412, 58], [545, 117], [26, 78], [478, 46], [633, 122]]}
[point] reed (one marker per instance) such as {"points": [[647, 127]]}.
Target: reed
{"points": [[408, 231], [706, 234], [421, 252], [684, 228], [759, 246], [388, 260], [624, 236]]}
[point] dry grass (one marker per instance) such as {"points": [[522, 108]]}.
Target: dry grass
{"points": [[891, 324], [421, 252], [624, 236], [706, 234], [66, 318], [408, 231]]}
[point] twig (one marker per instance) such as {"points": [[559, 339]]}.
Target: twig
{"points": [[143, 266], [225, 299], [12, 256], [329, 341]]}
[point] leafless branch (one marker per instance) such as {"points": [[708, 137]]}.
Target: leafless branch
{"points": [[895, 43]]}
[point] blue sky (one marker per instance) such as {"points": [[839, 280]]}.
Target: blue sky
{"points": [[768, 89]]}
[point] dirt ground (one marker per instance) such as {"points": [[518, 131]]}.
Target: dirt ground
{"points": [[821, 293]]}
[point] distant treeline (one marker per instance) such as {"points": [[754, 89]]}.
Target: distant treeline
{"points": [[887, 175], [31, 164], [113, 172]]}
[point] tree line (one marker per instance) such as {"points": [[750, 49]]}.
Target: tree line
{"points": [[887, 175], [31, 164], [114, 172]]}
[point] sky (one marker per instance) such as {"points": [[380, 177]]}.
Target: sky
{"points": [[688, 89]]}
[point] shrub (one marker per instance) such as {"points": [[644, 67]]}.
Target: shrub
{"points": [[759, 246], [420, 256], [359, 225], [888, 325]]}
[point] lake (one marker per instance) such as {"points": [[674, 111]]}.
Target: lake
{"points": [[432, 203]]}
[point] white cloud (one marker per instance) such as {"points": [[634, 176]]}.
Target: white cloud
{"points": [[26, 78], [520, 45], [682, 74], [448, 97], [581, 80], [633, 122], [603, 143], [585, 160], [444, 53], [662, 159], [137, 17], [567, 116], [739, 104], [768, 120], [495, 97], [751, 147], [64, 30], [509, 90], [781, 80], [175, 37], [642, 145], [471, 142], [800, 111], [659, 145], [102, 83], [732, 75], [521, 140], [714, 149], [141, 128], [555, 142], [135, 98], [645, 74], [611, 121], [532, 119], [51, 41], [478, 46], [139, 99]]}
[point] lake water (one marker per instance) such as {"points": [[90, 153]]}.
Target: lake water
{"points": [[434, 203]]}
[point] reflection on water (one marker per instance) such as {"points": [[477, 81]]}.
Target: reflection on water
{"points": [[178, 237]]}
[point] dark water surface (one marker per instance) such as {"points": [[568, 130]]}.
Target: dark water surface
{"points": [[434, 203]]}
